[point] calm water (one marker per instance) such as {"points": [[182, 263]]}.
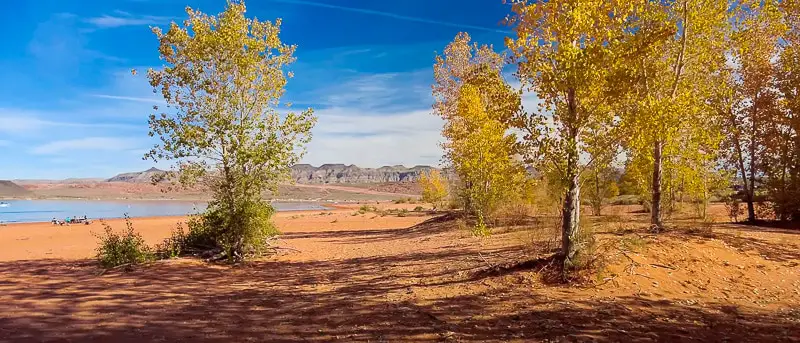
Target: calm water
{"points": [[23, 211]]}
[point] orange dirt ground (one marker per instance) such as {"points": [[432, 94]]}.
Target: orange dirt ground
{"points": [[409, 279]]}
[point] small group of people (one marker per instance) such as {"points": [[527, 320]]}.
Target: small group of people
{"points": [[71, 220]]}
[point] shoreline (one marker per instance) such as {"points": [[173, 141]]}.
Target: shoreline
{"points": [[43, 240], [328, 208], [178, 216]]}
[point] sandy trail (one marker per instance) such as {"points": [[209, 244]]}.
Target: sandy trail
{"points": [[402, 279]]}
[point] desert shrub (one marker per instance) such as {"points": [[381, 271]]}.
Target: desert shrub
{"points": [[401, 201], [454, 203], [122, 248], [474, 226], [172, 246], [246, 232], [402, 213], [480, 229], [367, 208], [514, 213], [419, 209], [625, 200]]}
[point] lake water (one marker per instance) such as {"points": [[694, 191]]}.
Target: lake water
{"points": [[26, 211]]}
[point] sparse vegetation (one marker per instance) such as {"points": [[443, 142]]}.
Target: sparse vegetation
{"points": [[126, 248]]}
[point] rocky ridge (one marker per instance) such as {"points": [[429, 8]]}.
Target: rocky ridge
{"points": [[324, 174]]}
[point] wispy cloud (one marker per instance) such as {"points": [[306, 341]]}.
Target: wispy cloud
{"points": [[392, 15], [88, 143], [121, 18], [60, 45], [23, 122], [152, 100], [378, 92]]}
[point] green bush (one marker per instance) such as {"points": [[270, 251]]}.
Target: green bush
{"points": [[246, 232], [402, 213], [122, 248], [419, 209], [172, 246], [367, 208]]}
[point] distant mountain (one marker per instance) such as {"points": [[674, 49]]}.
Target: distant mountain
{"points": [[308, 174], [10, 189], [137, 177], [340, 173]]}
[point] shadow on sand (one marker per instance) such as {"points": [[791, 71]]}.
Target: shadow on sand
{"points": [[388, 298]]}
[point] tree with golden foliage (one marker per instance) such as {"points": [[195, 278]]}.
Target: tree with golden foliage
{"points": [[667, 116], [477, 105], [565, 52], [434, 187], [222, 81]]}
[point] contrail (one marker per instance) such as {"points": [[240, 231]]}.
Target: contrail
{"points": [[390, 15]]}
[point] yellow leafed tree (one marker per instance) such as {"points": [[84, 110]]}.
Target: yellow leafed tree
{"points": [[477, 105], [480, 152], [670, 125], [566, 50], [434, 187]]}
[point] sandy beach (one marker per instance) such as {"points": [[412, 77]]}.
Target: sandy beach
{"points": [[363, 277], [28, 241]]}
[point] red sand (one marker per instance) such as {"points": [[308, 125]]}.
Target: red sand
{"points": [[417, 278]]}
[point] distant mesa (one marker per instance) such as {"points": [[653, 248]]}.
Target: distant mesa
{"points": [[11, 189], [341, 173], [137, 177], [308, 174]]}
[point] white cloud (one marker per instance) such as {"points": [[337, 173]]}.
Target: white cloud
{"points": [[152, 100], [121, 18], [22, 122], [345, 135], [84, 144], [19, 124]]}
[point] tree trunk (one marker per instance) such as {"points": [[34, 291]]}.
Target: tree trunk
{"points": [[570, 227], [655, 207], [751, 212], [751, 208]]}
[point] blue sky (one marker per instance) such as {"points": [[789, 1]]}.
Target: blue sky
{"points": [[69, 106]]}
